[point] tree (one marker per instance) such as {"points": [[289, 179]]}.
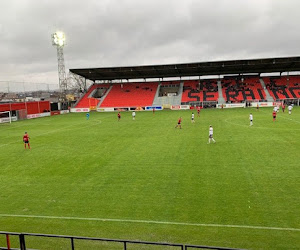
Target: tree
{"points": [[78, 83]]}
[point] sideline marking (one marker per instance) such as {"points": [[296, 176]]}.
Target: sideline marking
{"points": [[152, 222]]}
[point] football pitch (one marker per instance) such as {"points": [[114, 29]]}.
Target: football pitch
{"points": [[145, 180]]}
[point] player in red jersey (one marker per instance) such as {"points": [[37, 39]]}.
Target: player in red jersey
{"points": [[179, 123], [274, 115], [283, 107], [26, 140], [119, 116], [198, 111]]}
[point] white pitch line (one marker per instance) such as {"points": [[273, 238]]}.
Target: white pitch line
{"points": [[152, 222], [285, 117], [290, 119], [268, 128], [256, 127]]}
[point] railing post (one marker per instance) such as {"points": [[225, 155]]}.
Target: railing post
{"points": [[22, 242], [125, 247], [72, 243], [7, 242]]}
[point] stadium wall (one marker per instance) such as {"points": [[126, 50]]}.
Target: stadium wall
{"points": [[30, 107]]}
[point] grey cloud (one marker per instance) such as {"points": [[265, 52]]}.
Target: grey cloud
{"points": [[132, 32]]}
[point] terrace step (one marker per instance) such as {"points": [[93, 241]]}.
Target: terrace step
{"points": [[168, 100], [268, 96], [221, 99], [103, 97]]}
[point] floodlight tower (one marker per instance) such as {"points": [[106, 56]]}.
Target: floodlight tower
{"points": [[58, 40]]}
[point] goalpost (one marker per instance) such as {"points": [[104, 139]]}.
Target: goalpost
{"points": [[5, 117]]}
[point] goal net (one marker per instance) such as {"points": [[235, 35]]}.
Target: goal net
{"points": [[21, 114], [5, 117]]}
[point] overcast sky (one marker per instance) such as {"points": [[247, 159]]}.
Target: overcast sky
{"points": [[104, 33]]}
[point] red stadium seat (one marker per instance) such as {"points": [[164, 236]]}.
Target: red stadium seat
{"points": [[131, 95], [84, 101], [206, 91], [284, 87], [236, 90]]}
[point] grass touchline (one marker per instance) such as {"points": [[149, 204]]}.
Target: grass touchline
{"points": [[149, 222]]}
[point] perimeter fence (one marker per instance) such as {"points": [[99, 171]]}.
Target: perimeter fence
{"points": [[25, 242]]}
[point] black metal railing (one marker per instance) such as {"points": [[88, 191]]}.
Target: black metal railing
{"points": [[22, 241]]}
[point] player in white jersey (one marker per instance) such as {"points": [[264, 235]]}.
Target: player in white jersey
{"points": [[211, 134], [290, 107], [193, 118], [251, 119], [133, 115]]}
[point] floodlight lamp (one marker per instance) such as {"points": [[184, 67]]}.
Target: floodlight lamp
{"points": [[59, 38]]}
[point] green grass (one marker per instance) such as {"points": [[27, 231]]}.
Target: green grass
{"points": [[148, 170]]}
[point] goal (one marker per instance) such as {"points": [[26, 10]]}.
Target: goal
{"points": [[5, 117], [21, 114]]}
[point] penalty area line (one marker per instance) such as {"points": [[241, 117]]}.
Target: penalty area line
{"points": [[152, 222]]}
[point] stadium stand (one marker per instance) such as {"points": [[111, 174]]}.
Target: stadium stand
{"points": [[233, 89], [285, 87], [207, 90], [238, 90], [168, 87], [84, 102], [131, 95]]}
